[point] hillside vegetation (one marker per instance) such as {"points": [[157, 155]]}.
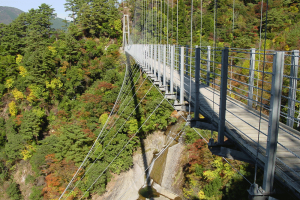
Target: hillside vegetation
{"points": [[57, 89]]}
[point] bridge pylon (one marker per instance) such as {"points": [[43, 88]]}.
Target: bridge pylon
{"points": [[126, 32]]}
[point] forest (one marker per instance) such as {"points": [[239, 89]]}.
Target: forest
{"points": [[58, 87]]}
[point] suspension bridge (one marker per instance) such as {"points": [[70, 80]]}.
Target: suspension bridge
{"points": [[260, 138], [255, 115]]}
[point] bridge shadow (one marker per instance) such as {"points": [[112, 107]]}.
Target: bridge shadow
{"points": [[141, 136]]}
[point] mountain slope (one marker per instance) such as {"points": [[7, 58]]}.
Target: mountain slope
{"points": [[8, 14]]}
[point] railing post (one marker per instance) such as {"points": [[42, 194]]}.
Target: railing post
{"points": [[293, 88], [273, 124], [165, 70], [155, 61], [148, 54], [251, 77], [145, 57], [172, 71], [208, 66], [181, 56], [223, 95], [152, 54], [152, 60], [150, 57], [197, 83], [159, 65], [186, 59]]}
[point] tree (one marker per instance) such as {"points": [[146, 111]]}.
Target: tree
{"points": [[31, 124], [14, 141], [39, 22], [14, 192]]}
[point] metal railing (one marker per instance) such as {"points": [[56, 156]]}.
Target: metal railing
{"points": [[263, 84]]}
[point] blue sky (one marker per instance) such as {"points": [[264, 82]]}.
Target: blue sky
{"points": [[26, 5]]}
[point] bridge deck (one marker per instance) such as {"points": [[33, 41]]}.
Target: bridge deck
{"points": [[242, 126]]}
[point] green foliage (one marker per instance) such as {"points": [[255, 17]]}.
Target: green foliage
{"points": [[97, 18], [14, 142], [92, 175], [31, 124], [199, 170], [29, 179], [36, 193], [212, 189], [4, 174], [73, 144], [14, 192], [47, 146], [2, 132]]}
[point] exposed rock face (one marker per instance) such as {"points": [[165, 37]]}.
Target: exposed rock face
{"points": [[23, 169], [127, 184], [172, 165]]}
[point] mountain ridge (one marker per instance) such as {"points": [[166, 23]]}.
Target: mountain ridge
{"points": [[8, 14]]}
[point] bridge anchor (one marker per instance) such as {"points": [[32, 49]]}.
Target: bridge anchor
{"points": [[257, 193], [170, 96], [180, 107]]}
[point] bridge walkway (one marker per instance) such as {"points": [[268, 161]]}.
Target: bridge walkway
{"points": [[242, 126]]}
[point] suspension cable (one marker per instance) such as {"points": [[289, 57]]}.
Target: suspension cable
{"points": [[123, 147], [91, 152], [230, 82], [177, 25], [85, 159], [259, 48], [191, 55], [261, 96], [113, 137], [214, 56], [172, 23], [167, 23], [201, 27]]}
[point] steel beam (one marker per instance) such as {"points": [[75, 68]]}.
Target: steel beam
{"points": [[159, 64], [172, 71], [223, 95], [197, 83], [155, 62], [269, 169], [165, 70], [208, 66], [186, 59], [251, 77], [181, 58], [293, 88]]}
